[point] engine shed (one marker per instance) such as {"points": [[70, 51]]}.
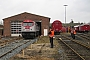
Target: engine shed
{"points": [[12, 25]]}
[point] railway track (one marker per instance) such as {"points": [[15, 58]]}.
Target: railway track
{"points": [[74, 50], [84, 38], [5, 41], [13, 48]]}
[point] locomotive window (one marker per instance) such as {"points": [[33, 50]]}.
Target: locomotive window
{"points": [[30, 24], [56, 23], [24, 24]]}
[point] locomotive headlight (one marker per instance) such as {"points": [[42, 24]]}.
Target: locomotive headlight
{"points": [[23, 29]]}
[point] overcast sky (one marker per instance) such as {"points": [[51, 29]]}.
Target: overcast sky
{"points": [[77, 10]]}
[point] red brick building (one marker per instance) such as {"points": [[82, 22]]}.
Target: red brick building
{"points": [[13, 23]]}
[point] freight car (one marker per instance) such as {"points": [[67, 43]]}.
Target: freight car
{"points": [[82, 28], [29, 29], [63, 30], [57, 26]]}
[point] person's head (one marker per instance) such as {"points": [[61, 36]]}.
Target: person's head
{"points": [[51, 29]]}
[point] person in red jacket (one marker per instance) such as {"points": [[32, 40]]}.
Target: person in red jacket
{"points": [[51, 35]]}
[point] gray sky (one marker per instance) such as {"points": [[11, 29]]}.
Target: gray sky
{"points": [[78, 10]]}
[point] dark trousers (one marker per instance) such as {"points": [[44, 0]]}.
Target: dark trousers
{"points": [[73, 35], [51, 42]]}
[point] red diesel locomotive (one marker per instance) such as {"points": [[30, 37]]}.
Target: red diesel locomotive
{"points": [[82, 28], [57, 26]]}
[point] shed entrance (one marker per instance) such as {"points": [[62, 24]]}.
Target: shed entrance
{"points": [[39, 24]]}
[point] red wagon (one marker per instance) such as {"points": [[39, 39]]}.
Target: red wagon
{"points": [[63, 29]]}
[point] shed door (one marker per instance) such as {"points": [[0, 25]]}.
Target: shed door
{"points": [[45, 32], [15, 28]]}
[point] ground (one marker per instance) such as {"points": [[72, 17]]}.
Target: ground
{"points": [[41, 50]]}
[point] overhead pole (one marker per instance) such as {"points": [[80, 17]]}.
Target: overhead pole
{"points": [[65, 12]]}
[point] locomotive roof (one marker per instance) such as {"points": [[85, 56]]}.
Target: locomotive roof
{"points": [[81, 25], [28, 21], [57, 21], [84, 24]]}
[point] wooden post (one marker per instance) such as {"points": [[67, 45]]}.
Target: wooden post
{"points": [[31, 46], [23, 53]]}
